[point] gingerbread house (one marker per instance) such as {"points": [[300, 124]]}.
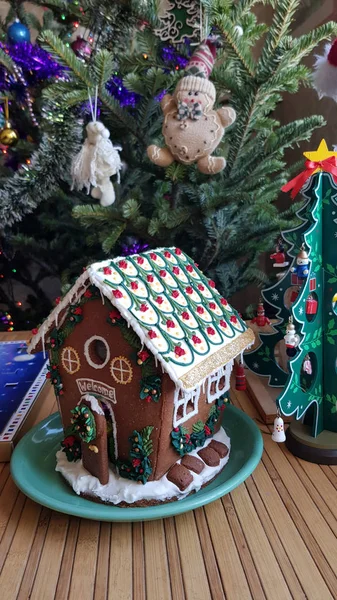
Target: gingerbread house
{"points": [[141, 351]]}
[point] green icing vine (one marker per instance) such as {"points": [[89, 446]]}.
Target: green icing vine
{"points": [[72, 448], [183, 442], [150, 384], [138, 468], [83, 422], [55, 378]]}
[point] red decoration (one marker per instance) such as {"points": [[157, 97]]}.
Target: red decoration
{"points": [[223, 323], [117, 294], [294, 295], [143, 355], [176, 270], [35, 331], [58, 300], [78, 311], [211, 283], [295, 280], [278, 257], [143, 308], [201, 287], [312, 284], [179, 351], [159, 299], [178, 251], [140, 260], [48, 376], [200, 310], [185, 315], [329, 165], [311, 306], [261, 320], [152, 334], [123, 264], [223, 302], [107, 270], [189, 290], [153, 256], [189, 268], [114, 314], [210, 331], [170, 324], [167, 254], [162, 273], [150, 278], [240, 383], [196, 339], [134, 285], [175, 294], [212, 305], [136, 462], [207, 430], [233, 319], [87, 294]]}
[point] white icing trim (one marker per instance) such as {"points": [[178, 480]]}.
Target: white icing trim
{"points": [[216, 378], [86, 351], [94, 405], [119, 489], [181, 400]]}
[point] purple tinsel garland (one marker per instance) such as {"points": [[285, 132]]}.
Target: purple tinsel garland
{"points": [[35, 62]]}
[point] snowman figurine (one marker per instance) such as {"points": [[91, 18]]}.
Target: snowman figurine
{"points": [[302, 264], [292, 339], [278, 434]]}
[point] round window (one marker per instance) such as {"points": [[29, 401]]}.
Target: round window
{"points": [[70, 360], [97, 352], [121, 370]]}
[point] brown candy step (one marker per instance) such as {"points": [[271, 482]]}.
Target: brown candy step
{"points": [[209, 456], [219, 447], [192, 463], [180, 476]]}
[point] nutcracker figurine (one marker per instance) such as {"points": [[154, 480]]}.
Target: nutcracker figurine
{"points": [[279, 256], [261, 320], [292, 339], [302, 264], [240, 383]]}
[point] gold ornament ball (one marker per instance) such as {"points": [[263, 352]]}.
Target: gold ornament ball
{"points": [[8, 136]]}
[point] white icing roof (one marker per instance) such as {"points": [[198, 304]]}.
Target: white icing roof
{"points": [[171, 305]]}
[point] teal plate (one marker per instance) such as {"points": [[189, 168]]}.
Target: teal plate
{"points": [[33, 470]]}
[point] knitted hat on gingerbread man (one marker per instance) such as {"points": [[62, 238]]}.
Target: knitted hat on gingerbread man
{"points": [[192, 129], [325, 72]]}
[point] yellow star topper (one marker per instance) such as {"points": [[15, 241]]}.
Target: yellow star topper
{"points": [[322, 153]]}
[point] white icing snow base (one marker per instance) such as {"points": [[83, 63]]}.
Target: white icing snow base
{"points": [[119, 489]]}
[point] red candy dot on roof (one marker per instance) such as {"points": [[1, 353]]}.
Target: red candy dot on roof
{"points": [[123, 264], [170, 324], [150, 278], [189, 290], [200, 310], [162, 273], [223, 323], [210, 331], [223, 302], [107, 271], [152, 334], [179, 351], [167, 254], [35, 331], [58, 300], [140, 260], [143, 308], [134, 285], [176, 270], [189, 268], [160, 299], [153, 256], [201, 287], [212, 305], [117, 294], [196, 339], [185, 315], [87, 294], [211, 283], [175, 294], [233, 319], [178, 251]]}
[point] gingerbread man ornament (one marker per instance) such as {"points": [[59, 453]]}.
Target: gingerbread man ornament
{"points": [[192, 128]]}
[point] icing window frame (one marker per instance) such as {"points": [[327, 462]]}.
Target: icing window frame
{"points": [[90, 361], [181, 402], [129, 370], [214, 391], [72, 357]]}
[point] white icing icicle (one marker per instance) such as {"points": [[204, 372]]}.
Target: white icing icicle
{"points": [[94, 405]]}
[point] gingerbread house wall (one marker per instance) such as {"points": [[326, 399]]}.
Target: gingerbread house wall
{"points": [[129, 411]]}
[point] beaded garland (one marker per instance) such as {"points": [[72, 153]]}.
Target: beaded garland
{"points": [[183, 442]]}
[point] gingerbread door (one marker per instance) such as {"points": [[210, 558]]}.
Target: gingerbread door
{"points": [[97, 452]]}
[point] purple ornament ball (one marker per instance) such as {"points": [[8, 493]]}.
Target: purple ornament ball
{"points": [[81, 48]]}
